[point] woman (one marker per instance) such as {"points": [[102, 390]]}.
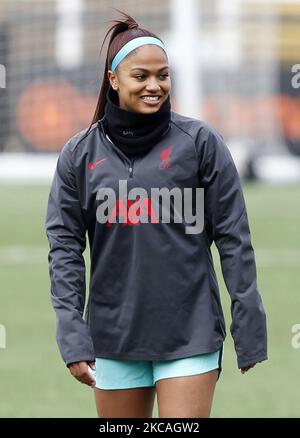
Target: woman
{"points": [[154, 322]]}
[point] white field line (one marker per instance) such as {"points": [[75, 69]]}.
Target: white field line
{"points": [[23, 255], [265, 257], [271, 257]]}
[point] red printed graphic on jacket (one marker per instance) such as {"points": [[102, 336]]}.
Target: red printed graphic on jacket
{"points": [[94, 165], [132, 212], [165, 156]]}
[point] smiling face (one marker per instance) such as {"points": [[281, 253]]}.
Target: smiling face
{"points": [[142, 80]]}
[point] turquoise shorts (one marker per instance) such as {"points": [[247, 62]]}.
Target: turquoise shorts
{"points": [[125, 374]]}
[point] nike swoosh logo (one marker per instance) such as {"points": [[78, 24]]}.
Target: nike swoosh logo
{"points": [[93, 165]]}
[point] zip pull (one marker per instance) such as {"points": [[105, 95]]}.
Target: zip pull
{"points": [[130, 169]]}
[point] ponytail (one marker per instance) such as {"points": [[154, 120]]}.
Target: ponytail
{"points": [[122, 31]]}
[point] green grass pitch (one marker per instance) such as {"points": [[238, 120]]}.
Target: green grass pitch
{"points": [[34, 382]]}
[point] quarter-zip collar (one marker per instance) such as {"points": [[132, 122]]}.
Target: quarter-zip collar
{"points": [[129, 161]]}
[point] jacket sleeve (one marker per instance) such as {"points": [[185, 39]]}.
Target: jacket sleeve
{"points": [[66, 232], [226, 217]]}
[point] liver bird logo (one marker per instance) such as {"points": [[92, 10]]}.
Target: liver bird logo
{"points": [[165, 156]]}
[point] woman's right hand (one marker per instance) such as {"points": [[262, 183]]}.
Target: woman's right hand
{"points": [[80, 371]]}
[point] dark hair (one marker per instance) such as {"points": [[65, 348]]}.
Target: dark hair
{"points": [[123, 30]]}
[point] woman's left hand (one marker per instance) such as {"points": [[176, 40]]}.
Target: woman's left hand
{"points": [[245, 369]]}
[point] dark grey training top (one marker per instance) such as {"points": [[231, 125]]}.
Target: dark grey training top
{"points": [[153, 289]]}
